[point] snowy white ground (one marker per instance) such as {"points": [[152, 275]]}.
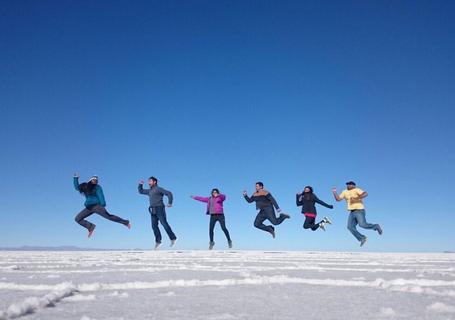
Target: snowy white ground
{"points": [[226, 285]]}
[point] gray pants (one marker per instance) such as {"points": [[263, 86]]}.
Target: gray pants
{"points": [[80, 218]]}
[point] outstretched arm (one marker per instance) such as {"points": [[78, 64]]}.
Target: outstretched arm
{"points": [[322, 203], [202, 199]]}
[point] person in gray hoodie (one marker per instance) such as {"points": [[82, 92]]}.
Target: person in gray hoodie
{"points": [[157, 209]]}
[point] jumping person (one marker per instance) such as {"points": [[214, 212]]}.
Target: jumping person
{"points": [[216, 212], [307, 199], [354, 198], [265, 203], [94, 203], [157, 209]]}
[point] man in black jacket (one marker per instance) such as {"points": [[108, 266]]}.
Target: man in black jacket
{"points": [[265, 203]]}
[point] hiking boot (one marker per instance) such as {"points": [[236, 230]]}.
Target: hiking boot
{"points": [[363, 241], [230, 244], [173, 242], [211, 245], [157, 245], [91, 230], [379, 229]]}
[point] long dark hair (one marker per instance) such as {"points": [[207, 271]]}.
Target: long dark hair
{"points": [[308, 195], [87, 188]]}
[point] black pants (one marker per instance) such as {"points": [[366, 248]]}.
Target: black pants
{"points": [[159, 215], [80, 218], [267, 214], [309, 223], [220, 218]]}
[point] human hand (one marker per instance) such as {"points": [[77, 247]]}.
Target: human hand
{"points": [[169, 205], [245, 193], [76, 175], [141, 181], [334, 190]]}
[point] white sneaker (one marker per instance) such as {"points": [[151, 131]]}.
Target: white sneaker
{"points": [[157, 245], [322, 225], [362, 242], [173, 243], [230, 244], [211, 245], [326, 220]]}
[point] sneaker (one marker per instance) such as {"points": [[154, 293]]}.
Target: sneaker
{"points": [[322, 225], [173, 242], [90, 232], [326, 220], [379, 229], [211, 245], [363, 241], [230, 244], [157, 245]]}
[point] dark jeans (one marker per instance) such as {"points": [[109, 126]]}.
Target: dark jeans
{"points": [[220, 218], [267, 213], [309, 223], [159, 214], [80, 218]]}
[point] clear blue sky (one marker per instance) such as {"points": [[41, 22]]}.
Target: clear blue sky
{"points": [[207, 94]]}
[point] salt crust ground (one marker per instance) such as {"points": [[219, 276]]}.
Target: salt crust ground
{"points": [[222, 285]]}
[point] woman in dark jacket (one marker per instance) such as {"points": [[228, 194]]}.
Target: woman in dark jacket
{"points": [[94, 203], [307, 199]]}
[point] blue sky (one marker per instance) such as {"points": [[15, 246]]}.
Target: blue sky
{"points": [[222, 94]]}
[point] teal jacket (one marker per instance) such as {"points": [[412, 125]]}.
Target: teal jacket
{"points": [[92, 199]]}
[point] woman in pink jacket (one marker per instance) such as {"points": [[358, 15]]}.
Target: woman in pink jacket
{"points": [[215, 210]]}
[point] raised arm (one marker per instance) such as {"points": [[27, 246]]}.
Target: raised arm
{"points": [[141, 190], [248, 199], [335, 194], [298, 199], [222, 196], [322, 203], [76, 183]]}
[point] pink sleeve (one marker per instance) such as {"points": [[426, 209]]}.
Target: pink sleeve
{"points": [[222, 196], [202, 199]]}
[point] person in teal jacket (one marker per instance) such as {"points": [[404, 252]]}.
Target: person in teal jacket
{"points": [[94, 203]]}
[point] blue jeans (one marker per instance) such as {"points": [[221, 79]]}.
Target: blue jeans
{"points": [[358, 217], [158, 214]]}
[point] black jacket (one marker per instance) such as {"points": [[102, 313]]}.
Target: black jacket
{"points": [[308, 205], [263, 199]]}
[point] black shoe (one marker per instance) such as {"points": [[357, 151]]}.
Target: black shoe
{"points": [[379, 229], [211, 245], [230, 244]]}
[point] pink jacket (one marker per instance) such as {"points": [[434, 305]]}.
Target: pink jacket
{"points": [[217, 205]]}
